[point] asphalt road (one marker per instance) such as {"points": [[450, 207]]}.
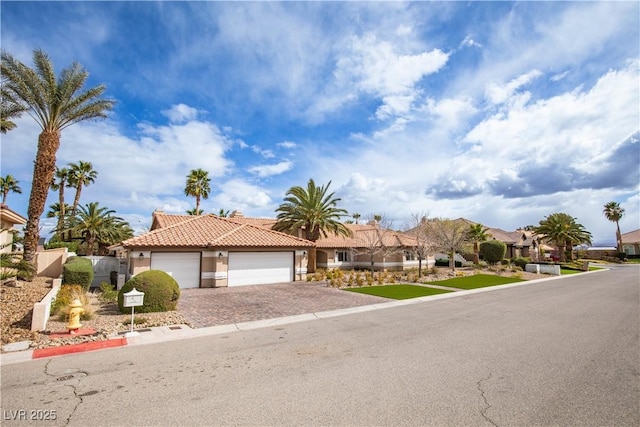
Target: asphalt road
{"points": [[558, 352]]}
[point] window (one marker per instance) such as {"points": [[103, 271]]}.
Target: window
{"points": [[629, 249], [344, 256], [410, 256]]}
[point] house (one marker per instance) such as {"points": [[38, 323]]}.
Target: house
{"points": [[520, 243], [8, 220], [631, 243], [369, 247], [210, 251]]}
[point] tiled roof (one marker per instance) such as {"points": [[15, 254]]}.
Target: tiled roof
{"points": [[211, 231], [161, 220], [631, 237], [10, 216], [365, 236], [260, 222]]}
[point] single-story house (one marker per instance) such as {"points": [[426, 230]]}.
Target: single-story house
{"points": [[369, 244], [631, 242], [8, 220], [210, 251]]}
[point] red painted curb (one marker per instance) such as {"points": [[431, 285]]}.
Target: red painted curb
{"points": [[78, 348]]}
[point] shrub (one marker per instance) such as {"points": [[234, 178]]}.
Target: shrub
{"points": [[161, 292], [493, 251], [71, 246], [442, 262], [521, 262], [78, 271], [108, 292], [65, 296]]}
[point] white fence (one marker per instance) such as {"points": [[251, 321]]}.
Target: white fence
{"points": [[103, 266]]}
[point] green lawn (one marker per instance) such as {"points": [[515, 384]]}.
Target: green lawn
{"points": [[570, 271], [477, 281], [398, 291]]}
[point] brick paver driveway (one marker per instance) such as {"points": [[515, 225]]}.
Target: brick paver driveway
{"points": [[221, 306]]}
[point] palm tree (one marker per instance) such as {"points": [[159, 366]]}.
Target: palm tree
{"points": [[198, 186], [58, 211], [477, 234], [94, 223], [313, 210], [222, 213], [54, 103], [562, 230], [81, 174], [9, 110], [614, 213], [356, 216], [9, 183], [58, 183], [194, 212]]}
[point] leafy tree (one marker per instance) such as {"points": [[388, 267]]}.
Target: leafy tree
{"points": [[614, 213], [356, 216], [198, 186], [58, 183], [54, 103], [80, 175], [95, 224], [493, 251], [450, 236], [9, 183], [9, 110], [562, 230], [478, 234], [313, 210]]}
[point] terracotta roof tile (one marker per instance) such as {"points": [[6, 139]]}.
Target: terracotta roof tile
{"points": [[365, 235], [211, 230]]}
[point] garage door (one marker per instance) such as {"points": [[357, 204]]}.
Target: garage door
{"points": [[184, 267], [259, 268]]}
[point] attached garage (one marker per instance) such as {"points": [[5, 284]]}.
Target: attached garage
{"points": [[184, 267], [258, 268]]}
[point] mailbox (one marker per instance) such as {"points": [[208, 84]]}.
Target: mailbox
{"points": [[133, 298]]}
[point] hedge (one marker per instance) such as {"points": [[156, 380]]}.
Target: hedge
{"points": [[78, 271]]}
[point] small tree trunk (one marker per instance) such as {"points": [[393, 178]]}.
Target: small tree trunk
{"points": [[419, 267], [311, 262], [452, 260]]}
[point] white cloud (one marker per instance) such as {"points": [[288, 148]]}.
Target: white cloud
{"points": [[267, 154], [181, 113], [499, 93], [286, 144], [237, 194], [469, 42], [559, 76], [269, 170]]}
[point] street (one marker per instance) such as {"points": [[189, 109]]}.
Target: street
{"points": [[556, 352]]}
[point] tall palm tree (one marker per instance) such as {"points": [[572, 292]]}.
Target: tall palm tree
{"points": [[195, 212], [54, 103], [477, 234], [562, 230], [9, 183], [58, 183], [9, 110], [222, 213], [614, 213], [313, 210], [81, 174], [93, 223], [58, 211], [198, 186], [356, 216]]}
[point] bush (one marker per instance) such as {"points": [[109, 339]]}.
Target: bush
{"points": [[445, 263], [78, 271], [65, 296], [493, 251], [161, 292], [108, 293], [521, 262], [71, 246]]}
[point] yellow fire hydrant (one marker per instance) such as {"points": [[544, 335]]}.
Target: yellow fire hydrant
{"points": [[75, 310]]}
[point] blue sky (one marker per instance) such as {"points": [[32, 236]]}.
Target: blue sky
{"points": [[501, 113]]}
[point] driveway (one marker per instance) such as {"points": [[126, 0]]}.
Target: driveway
{"points": [[222, 306]]}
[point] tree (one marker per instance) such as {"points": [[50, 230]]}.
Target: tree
{"points": [[95, 224], [477, 234], [54, 103], [614, 213], [376, 239], [562, 230], [313, 210], [9, 110], [58, 183], [80, 175], [493, 251], [194, 211], [222, 213], [58, 211], [356, 216], [9, 183], [418, 227], [449, 236], [198, 186]]}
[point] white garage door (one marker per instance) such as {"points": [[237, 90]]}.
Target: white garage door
{"points": [[259, 268], [184, 267]]}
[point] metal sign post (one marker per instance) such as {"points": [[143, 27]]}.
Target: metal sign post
{"points": [[133, 299]]}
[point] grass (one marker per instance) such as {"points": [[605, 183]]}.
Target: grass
{"points": [[398, 291], [477, 281]]}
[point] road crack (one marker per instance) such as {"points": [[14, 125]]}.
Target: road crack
{"points": [[487, 405], [71, 378]]}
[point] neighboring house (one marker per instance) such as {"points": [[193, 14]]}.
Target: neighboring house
{"points": [[520, 243], [390, 250], [631, 242], [210, 251], [8, 220]]}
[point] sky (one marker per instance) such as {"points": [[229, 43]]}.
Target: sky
{"points": [[498, 112]]}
